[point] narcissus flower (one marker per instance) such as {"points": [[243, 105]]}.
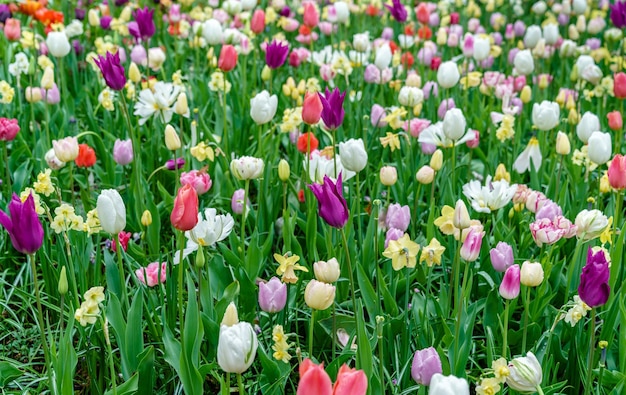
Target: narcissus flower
{"points": [[288, 266], [402, 252]]}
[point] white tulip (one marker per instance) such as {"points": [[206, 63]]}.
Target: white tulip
{"points": [[551, 33], [590, 224], [546, 115], [482, 45], [361, 42], [342, 12], [383, 57], [588, 124], [524, 63], [58, 44], [212, 31], [600, 147], [410, 96], [111, 211], [532, 36], [525, 373], [236, 347], [448, 74], [263, 107], [579, 6], [454, 124], [353, 155], [448, 385]]}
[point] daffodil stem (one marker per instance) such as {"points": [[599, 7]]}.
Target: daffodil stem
{"points": [[111, 362], [244, 214], [526, 312], [311, 329], [505, 329], [592, 333], [345, 244], [240, 384], [181, 262], [44, 343]]}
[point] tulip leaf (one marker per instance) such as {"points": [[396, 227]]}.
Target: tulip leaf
{"points": [[145, 370], [8, 373], [127, 388], [271, 380], [133, 341], [367, 291], [364, 356]]}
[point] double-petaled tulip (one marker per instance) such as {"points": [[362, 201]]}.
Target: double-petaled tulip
{"points": [[332, 108], [333, 207], [111, 211], [590, 224], [247, 168], [276, 54], [353, 155], [198, 179], [8, 129], [185, 212], [510, 286], [263, 107], [272, 295], [311, 108], [58, 44], [524, 63], [143, 25], [594, 281], [153, 274], [112, 70], [617, 172], [23, 225], [426, 363], [228, 58]]}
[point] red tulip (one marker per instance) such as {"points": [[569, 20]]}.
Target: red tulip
{"points": [[185, 213], [307, 142], [86, 156], [619, 85], [311, 108], [313, 379], [617, 172], [228, 58], [257, 23], [615, 120], [350, 382]]}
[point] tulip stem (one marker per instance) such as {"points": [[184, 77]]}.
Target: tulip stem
{"points": [[111, 362], [225, 124], [120, 268], [453, 170], [358, 211], [260, 138], [181, 241], [240, 384], [573, 265], [505, 329], [345, 243], [6, 162], [244, 214], [136, 152], [311, 329], [592, 333], [526, 312], [44, 344]]}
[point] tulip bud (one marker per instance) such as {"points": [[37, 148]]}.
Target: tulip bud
{"points": [[200, 258], [502, 174], [599, 147], [454, 124], [461, 218], [230, 315], [471, 245], [436, 161], [319, 295], [63, 287], [182, 107], [615, 121], [526, 94], [388, 175], [327, 272], [283, 170], [617, 172], [531, 274], [425, 175], [93, 18], [111, 211], [133, 73], [525, 373], [562, 144], [146, 218], [172, 141], [266, 73], [47, 80]]}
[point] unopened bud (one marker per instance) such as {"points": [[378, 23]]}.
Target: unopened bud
{"points": [[200, 258], [62, 286], [436, 161], [230, 316], [133, 73], [172, 141], [146, 218], [182, 107], [283, 170], [562, 144], [425, 175]]}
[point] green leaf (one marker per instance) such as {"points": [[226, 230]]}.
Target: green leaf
{"points": [[367, 291], [8, 373], [146, 371], [129, 387], [364, 351], [133, 341]]}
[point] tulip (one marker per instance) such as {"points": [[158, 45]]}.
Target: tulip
{"points": [[276, 54], [619, 85], [198, 179], [333, 207], [123, 152], [410, 96], [33, 94], [272, 295], [471, 245], [257, 23], [12, 29], [350, 381], [47, 79], [600, 147], [388, 175], [236, 347], [448, 74], [510, 286], [454, 124], [58, 44], [23, 225], [313, 379], [112, 71], [546, 115], [8, 129], [185, 212], [594, 287], [525, 373], [247, 168], [425, 175], [263, 107], [311, 17], [311, 108], [398, 217], [617, 172], [172, 141], [283, 170], [461, 219], [86, 156], [327, 272], [149, 275], [236, 203], [383, 57], [66, 149], [332, 108], [615, 121], [146, 218], [397, 10], [353, 155], [531, 274], [228, 58], [562, 144], [590, 224], [319, 295], [501, 256], [307, 143], [481, 48], [524, 63], [532, 36], [426, 363], [448, 385], [182, 106], [111, 211], [143, 25], [588, 124], [342, 12]]}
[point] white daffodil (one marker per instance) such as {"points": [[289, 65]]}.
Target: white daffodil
{"points": [[531, 152], [489, 197], [158, 101], [207, 232], [434, 135]]}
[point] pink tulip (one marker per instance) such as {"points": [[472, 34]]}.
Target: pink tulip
{"points": [[350, 382], [509, 288], [149, 275], [313, 379]]}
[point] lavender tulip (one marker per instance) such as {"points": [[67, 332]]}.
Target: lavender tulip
{"points": [[272, 295], [426, 363], [332, 108], [112, 70], [24, 227], [123, 152], [501, 256], [398, 217], [594, 281], [332, 205], [276, 54]]}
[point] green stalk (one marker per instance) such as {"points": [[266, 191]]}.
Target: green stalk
{"points": [[345, 244], [225, 124], [6, 162], [44, 343], [358, 210], [454, 170], [526, 312], [240, 384], [592, 348], [311, 329], [120, 267], [243, 221], [110, 351], [505, 330], [181, 241]]}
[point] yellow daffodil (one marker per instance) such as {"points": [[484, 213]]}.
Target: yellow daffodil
{"points": [[402, 252], [607, 235], [287, 267], [432, 253], [500, 369], [391, 140]]}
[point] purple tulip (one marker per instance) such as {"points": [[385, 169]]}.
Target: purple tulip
{"points": [[594, 281], [618, 14], [276, 54], [272, 295], [446, 104], [501, 257], [392, 234], [23, 225], [53, 95], [80, 13], [123, 152], [174, 164], [398, 217], [112, 71], [143, 25], [378, 115], [549, 210], [332, 108], [5, 12], [426, 363], [509, 288], [105, 22], [397, 10], [236, 201], [332, 206]]}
